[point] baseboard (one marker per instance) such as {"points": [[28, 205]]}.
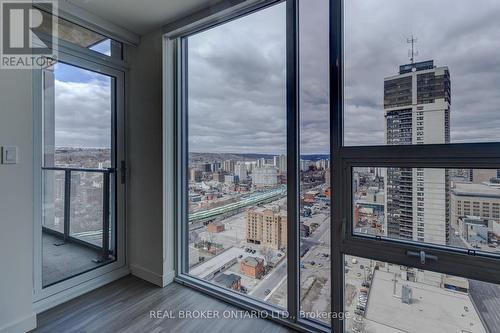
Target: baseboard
{"points": [[69, 294], [152, 277], [146, 274], [168, 278], [22, 325]]}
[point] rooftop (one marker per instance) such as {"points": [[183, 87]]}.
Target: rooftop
{"points": [[216, 263], [227, 280], [253, 261], [432, 309], [475, 190]]}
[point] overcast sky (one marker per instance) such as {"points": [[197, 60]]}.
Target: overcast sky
{"points": [[237, 75], [461, 34], [83, 108]]}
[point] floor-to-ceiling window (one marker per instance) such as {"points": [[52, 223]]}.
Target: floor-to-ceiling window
{"points": [[339, 160], [236, 150], [315, 185], [419, 166]]}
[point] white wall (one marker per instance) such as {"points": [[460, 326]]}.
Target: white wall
{"points": [[16, 203], [144, 155]]}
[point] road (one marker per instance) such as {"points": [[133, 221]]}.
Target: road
{"points": [[270, 282], [279, 273]]}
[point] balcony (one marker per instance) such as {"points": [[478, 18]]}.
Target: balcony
{"points": [[76, 230]]}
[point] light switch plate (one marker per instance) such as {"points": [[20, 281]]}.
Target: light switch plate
{"points": [[9, 155]]}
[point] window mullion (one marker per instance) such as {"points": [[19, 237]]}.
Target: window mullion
{"points": [[336, 135], [293, 157]]}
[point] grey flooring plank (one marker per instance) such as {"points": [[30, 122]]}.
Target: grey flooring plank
{"points": [[124, 306]]}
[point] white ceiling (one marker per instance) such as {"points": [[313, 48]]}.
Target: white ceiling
{"points": [[141, 16]]}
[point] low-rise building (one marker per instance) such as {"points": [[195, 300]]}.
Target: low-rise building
{"points": [[473, 229], [253, 267], [230, 281], [479, 200], [215, 227]]}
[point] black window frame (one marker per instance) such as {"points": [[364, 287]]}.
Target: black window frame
{"points": [[460, 262], [289, 316], [454, 261]]}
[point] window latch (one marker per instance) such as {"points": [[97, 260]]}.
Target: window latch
{"points": [[422, 256]]}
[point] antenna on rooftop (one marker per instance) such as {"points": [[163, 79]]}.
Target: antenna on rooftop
{"points": [[412, 52]]}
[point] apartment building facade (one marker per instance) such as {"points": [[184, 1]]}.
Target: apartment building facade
{"points": [[417, 111], [478, 200], [266, 227]]}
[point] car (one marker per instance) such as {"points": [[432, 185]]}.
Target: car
{"points": [[253, 251], [313, 263], [279, 254], [267, 292], [240, 256], [366, 284], [320, 264]]}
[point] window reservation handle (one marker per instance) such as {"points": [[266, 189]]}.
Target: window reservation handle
{"points": [[422, 255]]}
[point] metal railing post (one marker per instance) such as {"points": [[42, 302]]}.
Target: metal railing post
{"points": [[105, 217], [67, 203]]}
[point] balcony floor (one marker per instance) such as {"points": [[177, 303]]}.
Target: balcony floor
{"points": [[64, 261]]}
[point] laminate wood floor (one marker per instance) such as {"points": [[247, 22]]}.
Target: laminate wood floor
{"points": [[125, 305]]}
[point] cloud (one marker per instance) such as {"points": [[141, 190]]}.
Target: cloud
{"points": [[237, 84], [237, 76], [461, 35], [83, 114]]}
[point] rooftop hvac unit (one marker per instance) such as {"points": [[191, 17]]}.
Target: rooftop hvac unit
{"points": [[406, 294]]}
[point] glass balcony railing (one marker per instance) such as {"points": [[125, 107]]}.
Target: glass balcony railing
{"points": [[76, 208]]}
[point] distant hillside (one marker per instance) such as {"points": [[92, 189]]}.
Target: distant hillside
{"points": [[206, 157]]}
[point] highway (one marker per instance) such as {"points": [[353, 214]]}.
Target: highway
{"points": [[250, 200]]}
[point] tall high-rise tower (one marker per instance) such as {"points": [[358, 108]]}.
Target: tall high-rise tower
{"points": [[417, 111]]}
